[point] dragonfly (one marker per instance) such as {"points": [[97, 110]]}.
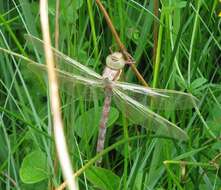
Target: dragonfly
{"points": [[135, 101]]}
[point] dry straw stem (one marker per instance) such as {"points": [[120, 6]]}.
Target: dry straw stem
{"points": [[56, 40], [120, 44], [55, 101]]}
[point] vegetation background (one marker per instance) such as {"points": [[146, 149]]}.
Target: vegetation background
{"points": [[189, 60]]}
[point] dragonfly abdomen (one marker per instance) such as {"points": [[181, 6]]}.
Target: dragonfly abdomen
{"points": [[103, 123]]}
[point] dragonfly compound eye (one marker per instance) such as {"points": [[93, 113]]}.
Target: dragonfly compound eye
{"points": [[115, 61]]}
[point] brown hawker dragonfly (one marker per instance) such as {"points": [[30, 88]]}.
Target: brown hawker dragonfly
{"points": [[134, 100]]}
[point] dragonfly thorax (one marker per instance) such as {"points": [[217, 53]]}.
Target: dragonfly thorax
{"points": [[115, 61]]}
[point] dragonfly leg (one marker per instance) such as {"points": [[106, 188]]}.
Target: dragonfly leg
{"points": [[110, 49], [130, 60]]}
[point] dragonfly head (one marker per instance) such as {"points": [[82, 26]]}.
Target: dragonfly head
{"points": [[115, 61]]}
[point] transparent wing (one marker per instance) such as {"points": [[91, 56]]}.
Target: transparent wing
{"points": [[77, 86], [139, 114], [136, 112], [155, 98], [161, 99], [74, 85], [63, 61]]}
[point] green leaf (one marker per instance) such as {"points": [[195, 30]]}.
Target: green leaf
{"points": [[66, 4], [216, 146], [173, 6], [190, 153], [198, 83], [88, 123], [35, 186], [102, 178], [214, 119], [133, 33], [139, 180], [34, 167], [68, 10]]}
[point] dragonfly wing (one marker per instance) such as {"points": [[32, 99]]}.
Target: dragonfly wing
{"points": [[75, 85], [63, 61], [161, 99], [141, 115]]}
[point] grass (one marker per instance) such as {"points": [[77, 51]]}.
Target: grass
{"points": [[188, 59]]}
